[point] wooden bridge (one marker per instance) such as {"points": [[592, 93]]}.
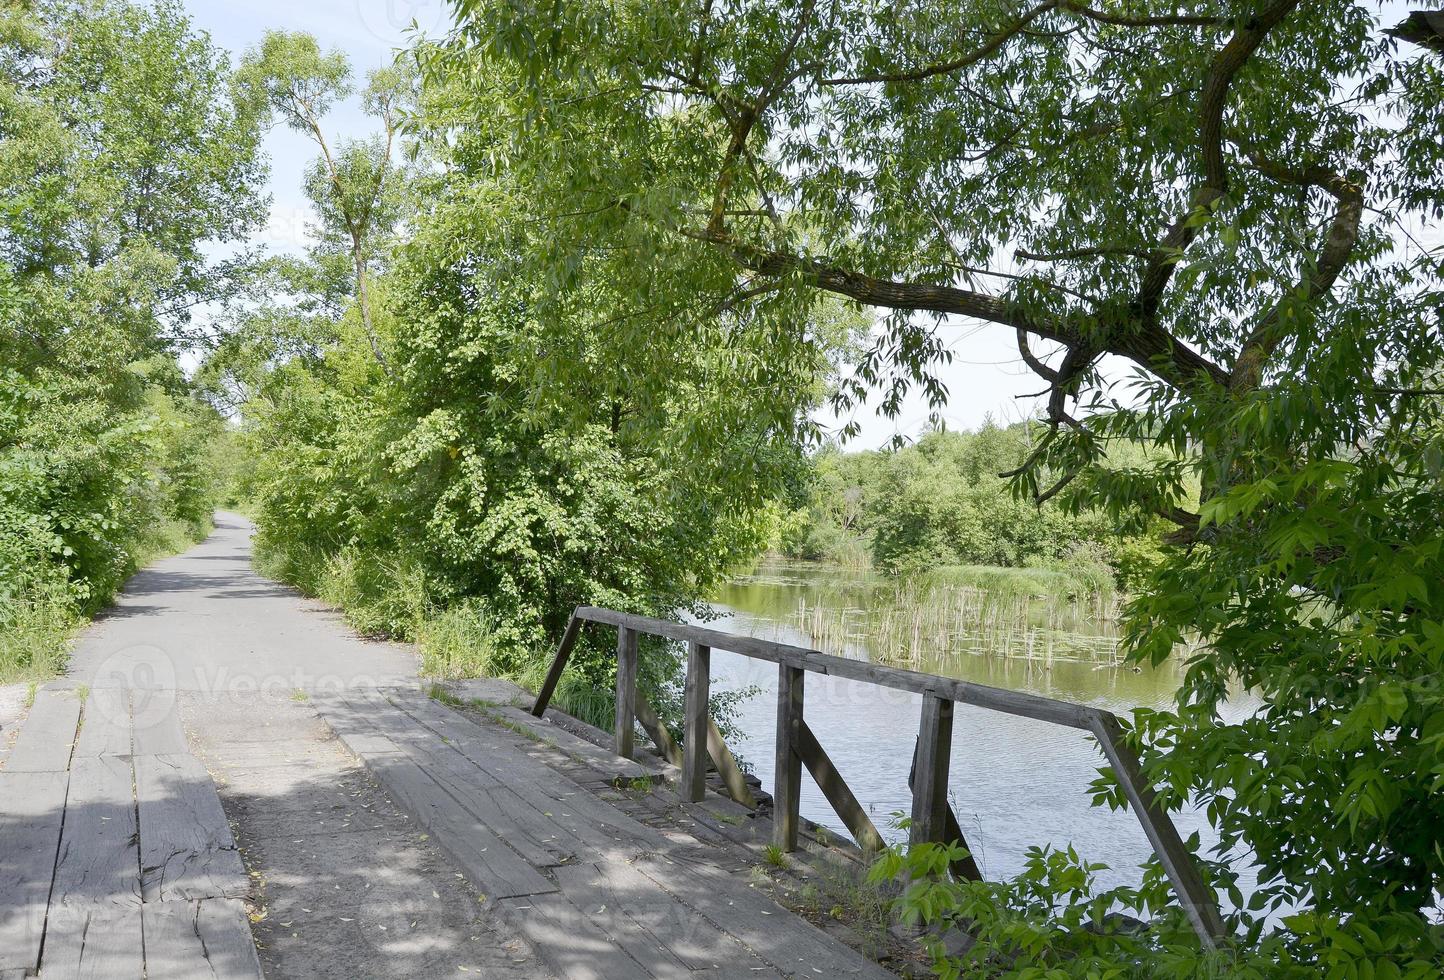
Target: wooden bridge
{"points": [[117, 860], [933, 819]]}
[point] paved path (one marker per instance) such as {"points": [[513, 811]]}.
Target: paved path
{"points": [[208, 685]]}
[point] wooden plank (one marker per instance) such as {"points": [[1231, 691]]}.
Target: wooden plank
{"points": [[964, 692], [666, 936], [186, 848], [540, 842], [559, 664], [696, 713], [93, 943], [47, 734], [32, 806], [965, 867], [626, 692], [593, 890], [99, 858], [732, 776], [562, 801], [571, 945], [105, 726], [491, 865], [198, 940], [603, 761], [784, 941], [787, 789], [155, 717], [657, 732], [1197, 900], [930, 784], [838, 793]]}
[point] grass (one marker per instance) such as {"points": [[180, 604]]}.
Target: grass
{"points": [[774, 856], [38, 627]]}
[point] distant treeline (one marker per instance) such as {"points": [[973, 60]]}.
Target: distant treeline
{"points": [[942, 502]]}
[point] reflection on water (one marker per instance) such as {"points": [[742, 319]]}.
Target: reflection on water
{"points": [[1014, 782]]}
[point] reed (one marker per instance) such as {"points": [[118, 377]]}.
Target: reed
{"points": [[1000, 612]]}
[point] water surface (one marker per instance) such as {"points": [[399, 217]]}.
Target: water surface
{"points": [[1015, 782]]}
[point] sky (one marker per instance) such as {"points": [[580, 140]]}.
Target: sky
{"points": [[985, 378]]}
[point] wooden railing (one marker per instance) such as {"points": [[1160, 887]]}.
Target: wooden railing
{"points": [[933, 819]]}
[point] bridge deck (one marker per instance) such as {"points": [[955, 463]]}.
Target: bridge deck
{"points": [[598, 893], [115, 856]]}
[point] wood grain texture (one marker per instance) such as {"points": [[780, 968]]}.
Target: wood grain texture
{"points": [[99, 861], [930, 773], [105, 726], [838, 793], [93, 943], [32, 805], [787, 771], [202, 940], [47, 734], [626, 718], [696, 714], [186, 848]]}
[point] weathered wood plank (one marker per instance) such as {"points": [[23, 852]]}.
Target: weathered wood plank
{"points": [[592, 890], [572, 945], [48, 733], [198, 940], [838, 793], [559, 664], [697, 713], [1196, 898], [657, 732], [186, 848], [626, 692], [490, 864], [603, 761], [32, 805], [155, 717], [964, 692], [787, 790], [664, 935], [784, 941], [930, 782], [540, 842], [99, 859], [732, 776], [93, 943], [584, 817], [105, 725]]}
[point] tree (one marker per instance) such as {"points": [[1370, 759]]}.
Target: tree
{"points": [[1219, 199], [357, 188], [128, 150]]}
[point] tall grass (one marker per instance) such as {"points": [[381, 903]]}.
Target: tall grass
{"points": [[1034, 613], [39, 620]]}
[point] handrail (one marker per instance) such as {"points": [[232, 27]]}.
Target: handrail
{"points": [[932, 817]]}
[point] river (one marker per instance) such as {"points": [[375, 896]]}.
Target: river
{"points": [[1014, 782]]}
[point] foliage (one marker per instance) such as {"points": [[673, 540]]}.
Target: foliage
{"points": [[113, 179], [943, 501], [473, 460], [1213, 206]]}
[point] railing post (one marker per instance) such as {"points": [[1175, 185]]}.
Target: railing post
{"points": [[1198, 900], [626, 691], [787, 792], [930, 781], [559, 664], [695, 698]]}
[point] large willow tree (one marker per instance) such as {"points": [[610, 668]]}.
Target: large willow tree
{"points": [[1208, 225]]}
